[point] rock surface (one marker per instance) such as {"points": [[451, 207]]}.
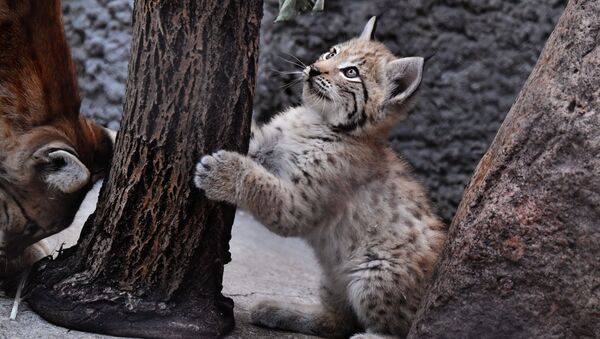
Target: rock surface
{"points": [[484, 51], [99, 32], [521, 260]]}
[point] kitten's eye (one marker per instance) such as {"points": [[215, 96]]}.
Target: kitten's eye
{"points": [[350, 72], [330, 54]]}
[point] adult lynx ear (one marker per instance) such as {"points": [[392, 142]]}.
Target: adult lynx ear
{"points": [[404, 76], [368, 32], [60, 168]]}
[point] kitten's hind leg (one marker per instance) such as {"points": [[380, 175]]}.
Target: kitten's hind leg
{"points": [[308, 319], [380, 303]]}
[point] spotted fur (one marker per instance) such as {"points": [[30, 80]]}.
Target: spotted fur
{"points": [[49, 154], [324, 172]]}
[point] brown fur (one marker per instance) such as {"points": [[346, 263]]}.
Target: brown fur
{"points": [[39, 105]]}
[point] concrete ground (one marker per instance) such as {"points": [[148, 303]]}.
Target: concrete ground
{"points": [[263, 266]]}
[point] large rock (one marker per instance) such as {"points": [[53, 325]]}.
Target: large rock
{"points": [[99, 32], [522, 256], [485, 50]]}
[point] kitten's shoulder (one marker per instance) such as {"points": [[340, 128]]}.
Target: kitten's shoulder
{"points": [[293, 118]]}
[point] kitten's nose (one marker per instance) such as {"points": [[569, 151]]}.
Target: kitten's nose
{"points": [[313, 71]]}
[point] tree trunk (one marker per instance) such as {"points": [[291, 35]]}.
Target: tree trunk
{"points": [[522, 259], [150, 261]]}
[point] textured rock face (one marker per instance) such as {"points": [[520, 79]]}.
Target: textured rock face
{"points": [[521, 260], [99, 32], [485, 50]]}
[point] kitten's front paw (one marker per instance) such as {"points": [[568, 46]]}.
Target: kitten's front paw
{"points": [[204, 171], [216, 174]]}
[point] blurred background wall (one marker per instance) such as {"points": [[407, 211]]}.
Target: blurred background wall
{"points": [[484, 51]]}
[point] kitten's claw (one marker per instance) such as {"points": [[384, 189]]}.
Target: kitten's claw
{"points": [[202, 170], [208, 160], [220, 155]]}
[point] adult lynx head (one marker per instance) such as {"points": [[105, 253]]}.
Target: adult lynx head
{"points": [[359, 83], [49, 154]]}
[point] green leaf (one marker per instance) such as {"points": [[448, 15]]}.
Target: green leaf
{"points": [[319, 5], [290, 8]]}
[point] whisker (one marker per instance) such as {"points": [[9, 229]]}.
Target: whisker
{"points": [[295, 57], [333, 98], [322, 105], [18, 297], [291, 62], [292, 83], [283, 72], [338, 96], [288, 86]]}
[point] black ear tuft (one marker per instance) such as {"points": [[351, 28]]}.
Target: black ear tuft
{"points": [[429, 57], [368, 32]]}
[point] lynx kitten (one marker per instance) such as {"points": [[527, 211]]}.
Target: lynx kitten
{"points": [[323, 172]]}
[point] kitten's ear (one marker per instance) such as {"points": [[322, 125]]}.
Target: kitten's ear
{"points": [[368, 32], [404, 76]]}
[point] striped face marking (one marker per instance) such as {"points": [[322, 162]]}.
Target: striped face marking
{"points": [[340, 82], [349, 84]]}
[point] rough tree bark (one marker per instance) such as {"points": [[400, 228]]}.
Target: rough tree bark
{"points": [[150, 261], [522, 259]]}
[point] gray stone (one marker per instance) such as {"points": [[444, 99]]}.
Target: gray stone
{"points": [[99, 32], [522, 256]]}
